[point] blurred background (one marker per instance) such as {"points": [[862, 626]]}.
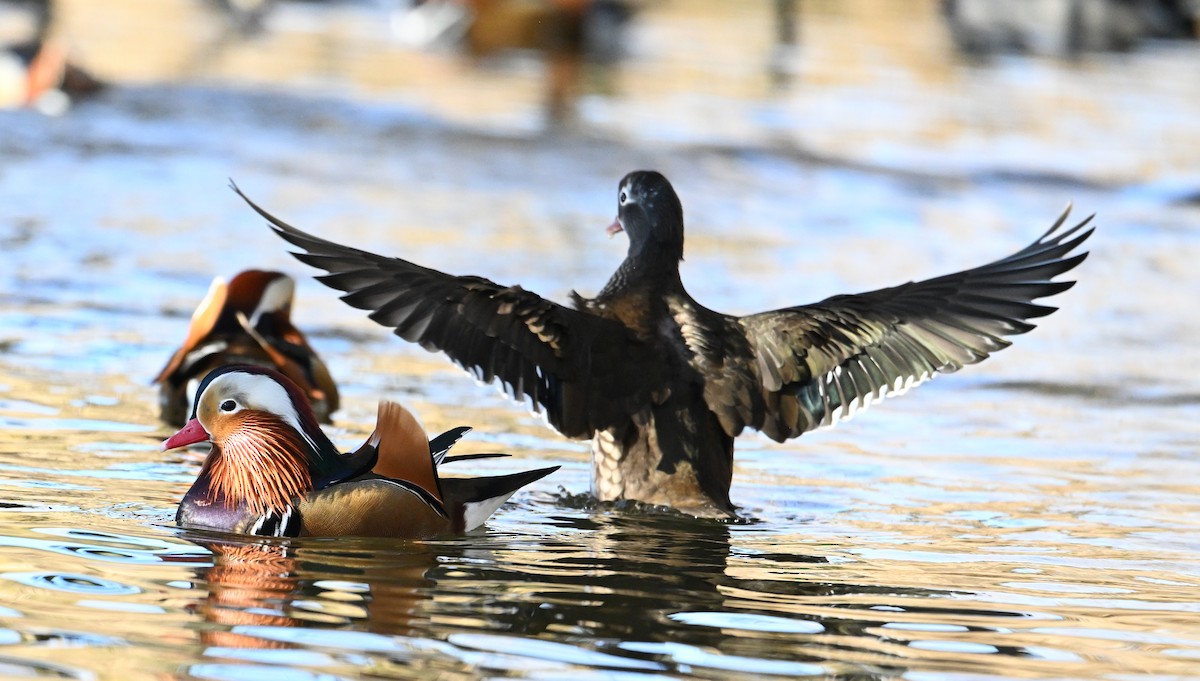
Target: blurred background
{"points": [[789, 126], [900, 83], [1036, 516]]}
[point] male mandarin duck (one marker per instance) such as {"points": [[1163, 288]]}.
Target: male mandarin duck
{"points": [[662, 384], [247, 320], [273, 472]]}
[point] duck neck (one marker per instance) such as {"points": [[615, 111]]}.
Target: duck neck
{"points": [[652, 264]]}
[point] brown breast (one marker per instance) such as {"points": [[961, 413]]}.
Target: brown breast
{"points": [[370, 508]]}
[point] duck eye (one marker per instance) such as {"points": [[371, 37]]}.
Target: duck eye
{"points": [[228, 405], [622, 198]]}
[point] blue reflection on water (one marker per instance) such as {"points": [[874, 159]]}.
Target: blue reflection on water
{"points": [[684, 654], [74, 583], [116, 549]]}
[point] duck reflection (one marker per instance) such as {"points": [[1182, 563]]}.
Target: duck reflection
{"points": [[659, 588], [589, 580], [619, 564], [248, 584], [277, 585]]}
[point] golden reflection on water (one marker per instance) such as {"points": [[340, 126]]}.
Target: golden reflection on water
{"points": [[914, 586]]}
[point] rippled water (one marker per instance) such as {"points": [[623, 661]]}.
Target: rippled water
{"points": [[1035, 516]]}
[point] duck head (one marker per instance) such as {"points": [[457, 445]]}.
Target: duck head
{"points": [[246, 320], [265, 298], [267, 448], [649, 212], [253, 301]]}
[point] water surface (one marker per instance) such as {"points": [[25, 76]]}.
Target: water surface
{"points": [[1035, 516]]}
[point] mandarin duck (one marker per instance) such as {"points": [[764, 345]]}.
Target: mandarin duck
{"points": [[247, 320], [272, 471], [661, 384]]}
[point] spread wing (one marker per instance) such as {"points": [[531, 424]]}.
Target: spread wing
{"points": [[817, 364], [584, 372]]}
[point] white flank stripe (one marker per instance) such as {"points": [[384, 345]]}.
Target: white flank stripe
{"points": [[204, 351], [474, 513]]}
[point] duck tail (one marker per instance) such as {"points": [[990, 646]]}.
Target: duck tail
{"points": [[478, 498]]}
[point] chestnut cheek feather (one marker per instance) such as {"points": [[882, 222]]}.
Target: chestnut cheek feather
{"points": [[261, 464]]}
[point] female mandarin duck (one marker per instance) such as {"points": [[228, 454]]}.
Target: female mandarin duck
{"points": [[273, 472], [661, 384], [245, 321]]}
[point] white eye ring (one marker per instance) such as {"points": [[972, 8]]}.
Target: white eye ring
{"points": [[228, 405], [623, 197]]}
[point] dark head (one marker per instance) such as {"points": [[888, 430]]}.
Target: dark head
{"points": [[648, 210]]}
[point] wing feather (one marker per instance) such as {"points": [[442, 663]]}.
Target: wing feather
{"points": [[585, 372], [818, 364]]}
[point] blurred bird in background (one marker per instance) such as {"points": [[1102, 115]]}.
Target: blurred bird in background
{"points": [[246, 320], [568, 33], [1067, 27], [35, 72]]}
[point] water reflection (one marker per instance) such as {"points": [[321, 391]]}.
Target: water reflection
{"points": [[97, 545], [608, 591], [556, 590], [21, 667], [279, 595]]}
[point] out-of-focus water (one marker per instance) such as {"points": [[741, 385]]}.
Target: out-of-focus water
{"points": [[1035, 516]]}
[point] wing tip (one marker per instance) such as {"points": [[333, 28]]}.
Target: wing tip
{"points": [[1059, 237], [280, 227]]}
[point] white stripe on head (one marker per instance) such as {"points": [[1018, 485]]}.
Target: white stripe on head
{"points": [[261, 392], [276, 296], [193, 385]]}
